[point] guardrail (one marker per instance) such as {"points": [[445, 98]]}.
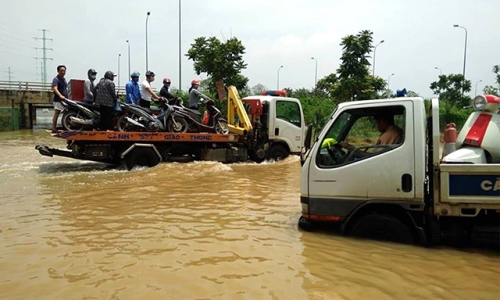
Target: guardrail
{"points": [[37, 87]]}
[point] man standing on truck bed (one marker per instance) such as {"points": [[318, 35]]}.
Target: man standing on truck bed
{"points": [[147, 93], [132, 90], [106, 98], [195, 95], [88, 86], [60, 88]]}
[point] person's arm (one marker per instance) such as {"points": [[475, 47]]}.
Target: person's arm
{"points": [[152, 93], [112, 91], [169, 96], [87, 90], [128, 93], [55, 89], [200, 94]]}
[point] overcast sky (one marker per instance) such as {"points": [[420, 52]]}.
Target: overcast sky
{"points": [[419, 36]]}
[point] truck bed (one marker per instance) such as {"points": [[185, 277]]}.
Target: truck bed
{"points": [[470, 184]]}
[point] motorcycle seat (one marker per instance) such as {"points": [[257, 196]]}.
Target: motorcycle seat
{"points": [[151, 110], [195, 111]]}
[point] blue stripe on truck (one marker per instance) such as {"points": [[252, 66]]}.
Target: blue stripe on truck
{"points": [[474, 185]]}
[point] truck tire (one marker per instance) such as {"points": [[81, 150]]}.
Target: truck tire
{"points": [[277, 152], [258, 154], [139, 156], [382, 227], [66, 121]]}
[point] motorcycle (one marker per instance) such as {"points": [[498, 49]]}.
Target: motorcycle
{"points": [[216, 123], [81, 115], [137, 119]]}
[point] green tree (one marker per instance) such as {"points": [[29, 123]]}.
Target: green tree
{"points": [[257, 89], [353, 81], [220, 60], [449, 88], [490, 89]]}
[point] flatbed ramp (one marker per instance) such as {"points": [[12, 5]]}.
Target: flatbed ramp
{"points": [[148, 148]]}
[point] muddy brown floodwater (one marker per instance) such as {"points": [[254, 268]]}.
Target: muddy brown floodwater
{"points": [[204, 230]]}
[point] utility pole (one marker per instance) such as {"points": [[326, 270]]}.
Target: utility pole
{"points": [[44, 57], [9, 72]]}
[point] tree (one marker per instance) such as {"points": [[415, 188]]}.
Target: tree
{"points": [[412, 94], [257, 89], [449, 88], [353, 81], [490, 89], [220, 60]]}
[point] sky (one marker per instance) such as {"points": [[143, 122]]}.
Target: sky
{"points": [[418, 36]]}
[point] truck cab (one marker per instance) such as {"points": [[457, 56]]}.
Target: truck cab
{"points": [[278, 125], [399, 189]]}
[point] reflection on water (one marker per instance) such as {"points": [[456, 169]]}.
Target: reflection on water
{"points": [[204, 230]]}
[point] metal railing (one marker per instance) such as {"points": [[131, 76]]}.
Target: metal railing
{"points": [[37, 87]]}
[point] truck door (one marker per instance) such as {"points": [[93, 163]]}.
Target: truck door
{"points": [[288, 123], [373, 167]]}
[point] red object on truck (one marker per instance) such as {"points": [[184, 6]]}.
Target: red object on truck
{"points": [[76, 89]]}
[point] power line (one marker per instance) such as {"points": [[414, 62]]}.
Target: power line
{"points": [[44, 58]]}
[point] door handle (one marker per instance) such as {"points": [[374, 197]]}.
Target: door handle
{"points": [[276, 131], [406, 183]]}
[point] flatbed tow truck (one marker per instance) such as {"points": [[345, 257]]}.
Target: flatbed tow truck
{"points": [[261, 127]]}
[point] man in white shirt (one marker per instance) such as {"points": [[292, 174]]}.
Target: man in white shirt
{"points": [[147, 93]]}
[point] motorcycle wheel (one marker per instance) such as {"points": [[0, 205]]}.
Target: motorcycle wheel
{"points": [[123, 125], [182, 125], [66, 121], [221, 127]]}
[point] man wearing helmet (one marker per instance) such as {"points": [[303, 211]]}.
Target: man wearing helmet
{"points": [[106, 98], [147, 93], [88, 86], [164, 90], [195, 95], [132, 90]]}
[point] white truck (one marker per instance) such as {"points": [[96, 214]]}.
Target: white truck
{"points": [[404, 191]]}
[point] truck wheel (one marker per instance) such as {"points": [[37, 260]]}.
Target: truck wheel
{"points": [[278, 152], [66, 121], [258, 155], [382, 227], [141, 157], [305, 224]]}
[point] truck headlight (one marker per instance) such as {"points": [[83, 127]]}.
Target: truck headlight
{"points": [[479, 102]]}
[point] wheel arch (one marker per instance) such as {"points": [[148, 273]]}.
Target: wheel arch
{"points": [[384, 207]]}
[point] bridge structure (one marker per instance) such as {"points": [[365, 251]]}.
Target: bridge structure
{"points": [[31, 102]]}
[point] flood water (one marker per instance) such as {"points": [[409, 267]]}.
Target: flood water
{"points": [[204, 230]]}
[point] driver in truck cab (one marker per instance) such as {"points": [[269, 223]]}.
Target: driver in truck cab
{"points": [[390, 133]]}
